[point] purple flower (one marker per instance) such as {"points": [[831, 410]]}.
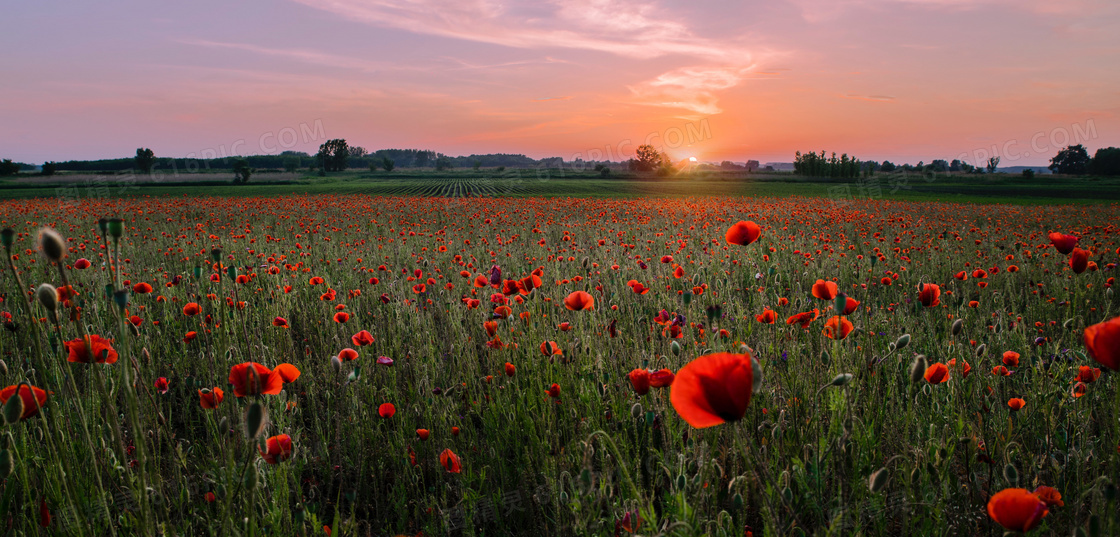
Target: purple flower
{"points": [[384, 360]]}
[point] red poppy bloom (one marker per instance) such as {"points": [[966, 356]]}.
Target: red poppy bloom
{"points": [[1087, 374], [142, 288], [850, 306], [422, 434], [825, 290], [91, 349], [639, 380], [550, 348], [33, 398], [191, 309], [1016, 509], [82, 264], [1016, 403], [803, 318], [1079, 260], [929, 295], [937, 373], [838, 327], [768, 316], [678, 272], [386, 410], [347, 354], [1011, 359], [1103, 342], [279, 449], [554, 391], [362, 339], [1049, 495], [579, 300], [210, 398], [1000, 371], [1079, 389], [450, 461], [280, 322], [251, 378], [964, 368], [162, 385], [661, 379], [189, 336], [713, 389], [511, 369], [743, 233], [1063, 243], [341, 317], [287, 372]]}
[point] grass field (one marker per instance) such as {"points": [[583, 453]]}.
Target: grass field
{"points": [[482, 365], [997, 188]]}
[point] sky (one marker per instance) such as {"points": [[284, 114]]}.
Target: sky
{"points": [[899, 80]]}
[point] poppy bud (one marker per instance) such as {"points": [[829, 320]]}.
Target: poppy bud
{"points": [[3, 368], [6, 464], [13, 409], [958, 325], [7, 237], [256, 417], [675, 347], [115, 227], [825, 357], [52, 244], [223, 424], [737, 500], [841, 380], [918, 368], [687, 298], [250, 479], [336, 365], [636, 411], [1011, 475], [47, 296], [902, 342], [980, 350]]}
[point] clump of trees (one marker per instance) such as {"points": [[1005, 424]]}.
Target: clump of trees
{"points": [[333, 155], [7, 167], [818, 165], [145, 159], [648, 158], [1075, 160], [242, 171]]}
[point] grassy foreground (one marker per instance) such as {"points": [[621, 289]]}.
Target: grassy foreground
{"points": [[557, 442]]}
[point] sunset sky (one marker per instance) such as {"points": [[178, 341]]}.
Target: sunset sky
{"points": [[903, 80]]}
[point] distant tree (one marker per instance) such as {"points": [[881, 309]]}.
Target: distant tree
{"points": [[388, 164], [992, 164], [333, 155], [938, 165], [605, 172], [357, 151], [422, 158], [647, 158], [291, 164], [7, 167], [967, 168], [477, 164], [145, 159], [887, 166], [49, 168], [241, 171], [1106, 161], [443, 163], [1073, 160], [728, 165], [1028, 174], [955, 166], [373, 165]]}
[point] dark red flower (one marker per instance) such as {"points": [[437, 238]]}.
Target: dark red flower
{"points": [[713, 389]]}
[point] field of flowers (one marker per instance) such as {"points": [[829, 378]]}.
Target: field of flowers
{"points": [[359, 365]]}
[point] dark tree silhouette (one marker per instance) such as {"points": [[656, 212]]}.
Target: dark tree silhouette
{"points": [[145, 159], [1073, 160], [1106, 161]]}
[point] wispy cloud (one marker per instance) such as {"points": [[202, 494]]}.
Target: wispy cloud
{"points": [[872, 98]]}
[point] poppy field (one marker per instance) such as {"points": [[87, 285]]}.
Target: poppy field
{"points": [[725, 366]]}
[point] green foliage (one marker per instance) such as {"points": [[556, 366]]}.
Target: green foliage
{"points": [[1073, 160], [1106, 161], [7, 167], [443, 163], [49, 168], [145, 160], [388, 164], [813, 165], [333, 155], [242, 171]]}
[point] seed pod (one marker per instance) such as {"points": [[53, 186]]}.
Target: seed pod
{"points": [[52, 244], [980, 350], [843, 379], [681, 482], [675, 347], [3, 368], [958, 325], [249, 481], [825, 357], [13, 409], [7, 464], [256, 416], [115, 227], [336, 364], [918, 368], [636, 411], [879, 479], [737, 501], [902, 342]]}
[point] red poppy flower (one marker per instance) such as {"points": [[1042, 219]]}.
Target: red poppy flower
{"points": [[33, 398], [362, 339], [1011, 359], [511, 369], [743, 233], [713, 389], [803, 318], [347, 354], [422, 434], [191, 309], [82, 264], [142, 288], [768, 316], [341, 317], [1103, 342], [162, 385], [1016, 403], [850, 306], [554, 391], [639, 380], [678, 273], [550, 348], [210, 398], [1000, 371], [287, 372], [661, 379], [251, 378], [1063, 243], [937, 373], [1017, 509], [929, 295], [189, 336], [450, 461], [1079, 389], [91, 349], [579, 300], [386, 410], [825, 290], [838, 327], [1049, 495], [1079, 260], [1087, 374], [279, 449], [280, 322]]}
